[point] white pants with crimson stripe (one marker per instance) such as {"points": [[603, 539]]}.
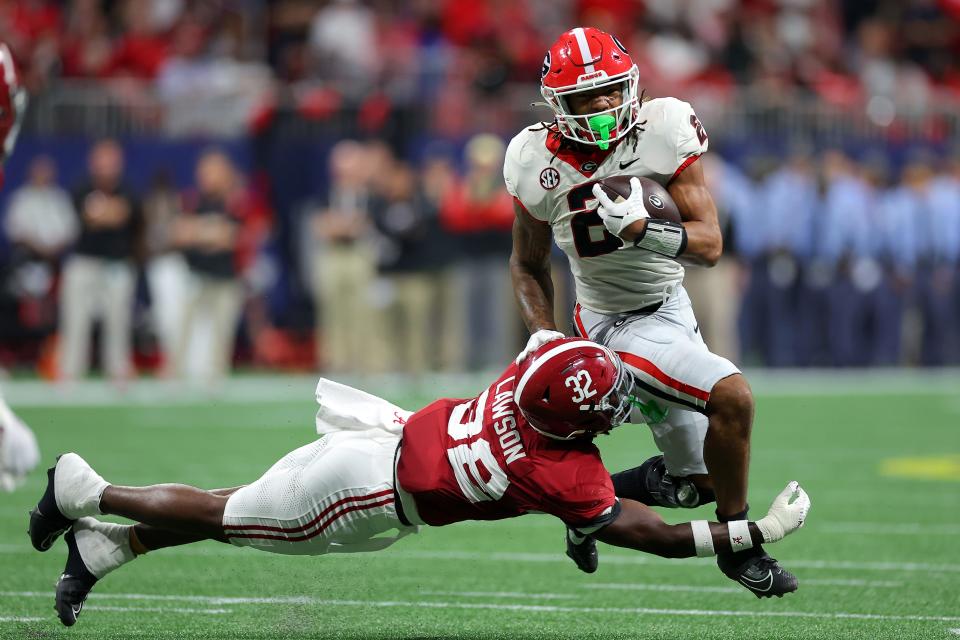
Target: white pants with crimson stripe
{"points": [[674, 369], [333, 495]]}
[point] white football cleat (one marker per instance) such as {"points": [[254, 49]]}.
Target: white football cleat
{"points": [[77, 487], [787, 513]]}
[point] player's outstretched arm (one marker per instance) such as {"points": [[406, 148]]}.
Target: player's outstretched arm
{"points": [[639, 527], [530, 270]]}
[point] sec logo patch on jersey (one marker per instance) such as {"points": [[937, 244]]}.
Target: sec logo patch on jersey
{"points": [[549, 178]]}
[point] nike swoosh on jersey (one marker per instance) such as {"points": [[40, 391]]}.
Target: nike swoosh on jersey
{"points": [[624, 165], [754, 585]]}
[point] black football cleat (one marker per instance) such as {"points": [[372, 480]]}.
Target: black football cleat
{"points": [[584, 554], [758, 573], [74, 584], [46, 521]]}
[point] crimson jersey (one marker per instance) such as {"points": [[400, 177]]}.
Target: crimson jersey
{"points": [[478, 459]]}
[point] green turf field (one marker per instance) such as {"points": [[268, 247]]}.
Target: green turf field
{"points": [[879, 557]]}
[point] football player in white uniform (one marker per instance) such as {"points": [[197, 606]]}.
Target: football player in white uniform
{"points": [[629, 280]]}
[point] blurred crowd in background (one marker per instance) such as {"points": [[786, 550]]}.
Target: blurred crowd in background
{"points": [[317, 184]]}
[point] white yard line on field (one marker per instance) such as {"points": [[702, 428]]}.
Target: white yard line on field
{"points": [[890, 584], [493, 606], [629, 586], [955, 632], [641, 586], [617, 559], [213, 600], [502, 594], [890, 529], [20, 619], [191, 611], [611, 559]]}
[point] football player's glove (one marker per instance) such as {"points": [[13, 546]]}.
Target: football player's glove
{"points": [[787, 513], [537, 340], [617, 216]]}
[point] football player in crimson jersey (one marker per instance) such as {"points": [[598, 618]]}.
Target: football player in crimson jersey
{"points": [[523, 445], [18, 446], [629, 277], [13, 104]]}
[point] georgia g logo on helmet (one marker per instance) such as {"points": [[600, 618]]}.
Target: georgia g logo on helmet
{"points": [[546, 66]]}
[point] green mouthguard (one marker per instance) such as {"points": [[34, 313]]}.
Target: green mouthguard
{"points": [[602, 124]]}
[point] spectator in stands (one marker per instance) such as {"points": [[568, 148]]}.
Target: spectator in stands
{"points": [[343, 40], [86, 48], [411, 252], [166, 270], [849, 238], [141, 50], [348, 327], [936, 268], [40, 224], [208, 232], [99, 278], [437, 178], [480, 212], [40, 221], [789, 201], [748, 236], [896, 212], [943, 199]]}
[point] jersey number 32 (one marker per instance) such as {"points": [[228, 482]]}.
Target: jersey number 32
{"points": [[476, 470]]}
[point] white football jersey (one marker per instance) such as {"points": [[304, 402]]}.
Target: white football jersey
{"points": [[554, 184]]}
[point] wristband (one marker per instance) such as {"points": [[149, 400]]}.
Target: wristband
{"points": [[664, 237]]}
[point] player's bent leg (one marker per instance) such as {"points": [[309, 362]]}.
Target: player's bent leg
{"points": [[726, 447], [651, 484], [176, 507]]}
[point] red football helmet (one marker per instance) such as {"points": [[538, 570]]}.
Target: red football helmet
{"points": [[13, 104], [572, 388], [583, 59]]}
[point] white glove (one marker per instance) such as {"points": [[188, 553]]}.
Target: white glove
{"points": [[537, 340], [617, 216], [786, 514]]}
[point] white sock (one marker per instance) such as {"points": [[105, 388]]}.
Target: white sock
{"points": [[575, 536], [78, 487], [103, 546]]}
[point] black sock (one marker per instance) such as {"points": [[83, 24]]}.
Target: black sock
{"points": [[737, 516], [631, 484]]}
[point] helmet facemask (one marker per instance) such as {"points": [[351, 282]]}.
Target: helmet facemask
{"points": [[587, 128]]}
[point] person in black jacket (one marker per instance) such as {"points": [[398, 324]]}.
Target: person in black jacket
{"points": [[99, 278]]}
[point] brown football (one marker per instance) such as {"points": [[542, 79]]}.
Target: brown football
{"points": [[656, 200]]}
